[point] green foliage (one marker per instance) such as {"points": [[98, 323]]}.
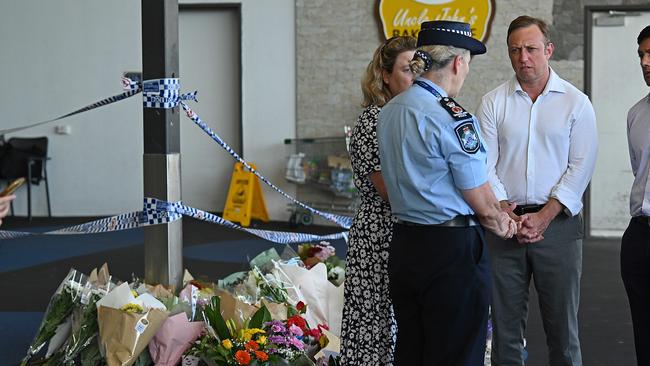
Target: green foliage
{"points": [[59, 309], [260, 317], [215, 319]]}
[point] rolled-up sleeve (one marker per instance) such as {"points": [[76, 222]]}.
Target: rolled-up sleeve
{"points": [[582, 159]]}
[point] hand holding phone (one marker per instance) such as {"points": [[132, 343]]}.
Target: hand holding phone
{"points": [[12, 187]]}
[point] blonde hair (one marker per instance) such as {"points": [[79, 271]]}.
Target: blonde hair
{"points": [[375, 91], [440, 56]]}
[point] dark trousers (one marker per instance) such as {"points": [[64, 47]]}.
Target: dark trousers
{"points": [[440, 288], [635, 271]]}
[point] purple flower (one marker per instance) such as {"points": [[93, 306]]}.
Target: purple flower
{"points": [[279, 340], [276, 326]]}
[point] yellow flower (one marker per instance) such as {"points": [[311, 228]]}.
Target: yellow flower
{"points": [[227, 344], [323, 341], [132, 308], [247, 334], [261, 340]]}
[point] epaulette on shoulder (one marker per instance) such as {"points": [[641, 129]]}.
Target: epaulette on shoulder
{"points": [[457, 112]]}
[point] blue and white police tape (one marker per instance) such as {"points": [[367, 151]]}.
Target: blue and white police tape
{"points": [[132, 88], [165, 93], [157, 212], [343, 221]]}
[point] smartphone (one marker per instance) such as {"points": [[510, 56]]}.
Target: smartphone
{"points": [[13, 186]]}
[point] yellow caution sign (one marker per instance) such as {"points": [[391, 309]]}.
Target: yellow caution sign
{"points": [[245, 200]]}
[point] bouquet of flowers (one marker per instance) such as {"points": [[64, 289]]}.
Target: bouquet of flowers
{"points": [[173, 339], [312, 254], [263, 283], [84, 325], [261, 341], [127, 324], [57, 313]]}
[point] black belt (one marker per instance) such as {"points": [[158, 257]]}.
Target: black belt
{"points": [[644, 220], [458, 221], [524, 209]]}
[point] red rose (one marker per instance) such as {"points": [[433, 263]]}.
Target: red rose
{"points": [[300, 306], [298, 321]]}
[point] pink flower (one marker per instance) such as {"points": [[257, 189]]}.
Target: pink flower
{"points": [[325, 252], [294, 329], [296, 343]]}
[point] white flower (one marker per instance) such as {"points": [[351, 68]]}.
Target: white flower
{"points": [[336, 275]]}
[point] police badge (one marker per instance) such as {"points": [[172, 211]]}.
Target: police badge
{"points": [[468, 137]]}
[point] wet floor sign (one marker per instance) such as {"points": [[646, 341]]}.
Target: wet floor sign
{"points": [[245, 200]]}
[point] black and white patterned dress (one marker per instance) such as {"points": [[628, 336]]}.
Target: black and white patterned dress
{"points": [[368, 328]]}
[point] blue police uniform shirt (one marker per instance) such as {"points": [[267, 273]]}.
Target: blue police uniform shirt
{"points": [[427, 156]]}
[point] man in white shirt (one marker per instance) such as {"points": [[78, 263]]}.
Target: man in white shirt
{"points": [[541, 138], [635, 245]]}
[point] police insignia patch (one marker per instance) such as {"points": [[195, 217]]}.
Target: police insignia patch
{"points": [[454, 109], [468, 137]]}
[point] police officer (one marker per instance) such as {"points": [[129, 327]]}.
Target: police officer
{"points": [[434, 166]]}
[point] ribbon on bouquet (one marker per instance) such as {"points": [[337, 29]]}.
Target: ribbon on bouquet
{"points": [[157, 212]]}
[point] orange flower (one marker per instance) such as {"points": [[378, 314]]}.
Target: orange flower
{"points": [[251, 346], [262, 356], [242, 357]]}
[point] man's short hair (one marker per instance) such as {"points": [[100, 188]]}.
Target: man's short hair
{"points": [[645, 33], [526, 21]]}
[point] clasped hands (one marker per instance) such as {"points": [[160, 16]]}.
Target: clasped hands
{"points": [[530, 227]]}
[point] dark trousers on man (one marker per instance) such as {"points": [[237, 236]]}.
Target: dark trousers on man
{"points": [[635, 271], [440, 288]]}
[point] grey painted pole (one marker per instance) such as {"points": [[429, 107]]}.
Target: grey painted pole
{"points": [[163, 244]]}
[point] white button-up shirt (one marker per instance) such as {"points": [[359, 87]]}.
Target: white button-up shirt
{"points": [[638, 138], [541, 150]]}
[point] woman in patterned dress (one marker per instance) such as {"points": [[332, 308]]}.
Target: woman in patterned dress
{"points": [[368, 329]]}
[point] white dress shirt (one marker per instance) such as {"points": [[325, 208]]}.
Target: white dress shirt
{"points": [[638, 138], [541, 150]]}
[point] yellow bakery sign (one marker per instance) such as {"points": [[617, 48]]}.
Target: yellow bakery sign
{"points": [[403, 17]]}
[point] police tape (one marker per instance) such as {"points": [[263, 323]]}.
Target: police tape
{"points": [[156, 212], [165, 93], [127, 84], [343, 221]]}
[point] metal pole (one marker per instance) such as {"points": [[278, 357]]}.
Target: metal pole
{"points": [[163, 244]]}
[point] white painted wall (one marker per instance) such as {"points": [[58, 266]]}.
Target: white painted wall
{"points": [[59, 56]]}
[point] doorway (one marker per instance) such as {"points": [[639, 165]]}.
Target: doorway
{"points": [[210, 62], [614, 83]]}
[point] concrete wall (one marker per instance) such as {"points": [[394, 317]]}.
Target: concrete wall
{"points": [[336, 39]]}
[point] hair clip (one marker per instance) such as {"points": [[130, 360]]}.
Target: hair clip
{"points": [[426, 57]]}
